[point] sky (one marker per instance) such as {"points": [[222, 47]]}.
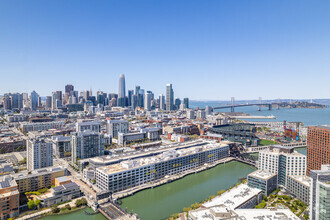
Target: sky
{"points": [[208, 49]]}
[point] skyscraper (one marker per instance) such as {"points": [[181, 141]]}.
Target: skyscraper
{"points": [[177, 103], [121, 91], [69, 88], [169, 97], [34, 100], [54, 101], [161, 102], [130, 93], [137, 89], [147, 101], [186, 102]]}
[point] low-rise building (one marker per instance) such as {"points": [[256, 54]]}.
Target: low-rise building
{"points": [[9, 198], [240, 197], [263, 180], [59, 194], [128, 138], [130, 173], [38, 179], [12, 144], [41, 126]]}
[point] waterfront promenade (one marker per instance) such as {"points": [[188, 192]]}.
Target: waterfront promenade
{"points": [[45, 211]]}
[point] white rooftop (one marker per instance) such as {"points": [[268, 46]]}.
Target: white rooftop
{"points": [[234, 197]]}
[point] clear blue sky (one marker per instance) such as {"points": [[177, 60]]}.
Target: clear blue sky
{"points": [[208, 50]]}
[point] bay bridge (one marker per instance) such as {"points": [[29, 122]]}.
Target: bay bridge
{"points": [[232, 106]]}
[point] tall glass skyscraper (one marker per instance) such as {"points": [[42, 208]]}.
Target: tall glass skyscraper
{"points": [[121, 91], [169, 97]]}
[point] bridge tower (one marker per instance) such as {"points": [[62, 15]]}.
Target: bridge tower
{"points": [[232, 109], [260, 102], [278, 103]]}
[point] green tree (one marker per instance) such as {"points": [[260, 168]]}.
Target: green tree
{"points": [[31, 204], [37, 202]]}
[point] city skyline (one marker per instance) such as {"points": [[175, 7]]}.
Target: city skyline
{"points": [[211, 46]]}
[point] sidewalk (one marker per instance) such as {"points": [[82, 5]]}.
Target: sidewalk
{"points": [[37, 214]]}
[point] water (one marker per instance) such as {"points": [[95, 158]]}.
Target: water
{"points": [[307, 116], [162, 201]]}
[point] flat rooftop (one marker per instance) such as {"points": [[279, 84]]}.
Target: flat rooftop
{"points": [[166, 155], [234, 197], [303, 179], [262, 174]]}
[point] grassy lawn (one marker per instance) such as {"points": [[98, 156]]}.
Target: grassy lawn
{"points": [[264, 142]]}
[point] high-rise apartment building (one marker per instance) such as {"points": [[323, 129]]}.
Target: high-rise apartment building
{"points": [[39, 154], [319, 202], [318, 147], [169, 97], [87, 144], [48, 102], [54, 101], [115, 126], [283, 161], [34, 100]]}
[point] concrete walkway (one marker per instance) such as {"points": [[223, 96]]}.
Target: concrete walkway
{"points": [[38, 214]]}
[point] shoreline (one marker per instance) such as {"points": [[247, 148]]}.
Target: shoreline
{"points": [[130, 192]]}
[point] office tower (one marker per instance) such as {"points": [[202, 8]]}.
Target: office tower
{"points": [[169, 97], [319, 205], [86, 95], [121, 91], [129, 97], [147, 101], [69, 88], [137, 89], [39, 154], [16, 100], [87, 144], [54, 101], [25, 97], [186, 102], [177, 103], [7, 102], [48, 102], [134, 101], [141, 98], [208, 110], [318, 147], [115, 126], [39, 102], [100, 98], [59, 95], [106, 101], [9, 197], [283, 161], [34, 100], [162, 102]]}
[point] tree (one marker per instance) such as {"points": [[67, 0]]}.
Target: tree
{"points": [[31, 204], [55, 209], [68, 207], [37, 202]]}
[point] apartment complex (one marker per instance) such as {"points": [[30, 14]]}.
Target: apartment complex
{"points": [[38, 179], [283, 161], [9, 198], [117, 126], [61, 146], [318, 147], [39, 154], [41, 126], [130, 173], [263, 180], [299, 186], [87, 144]]}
